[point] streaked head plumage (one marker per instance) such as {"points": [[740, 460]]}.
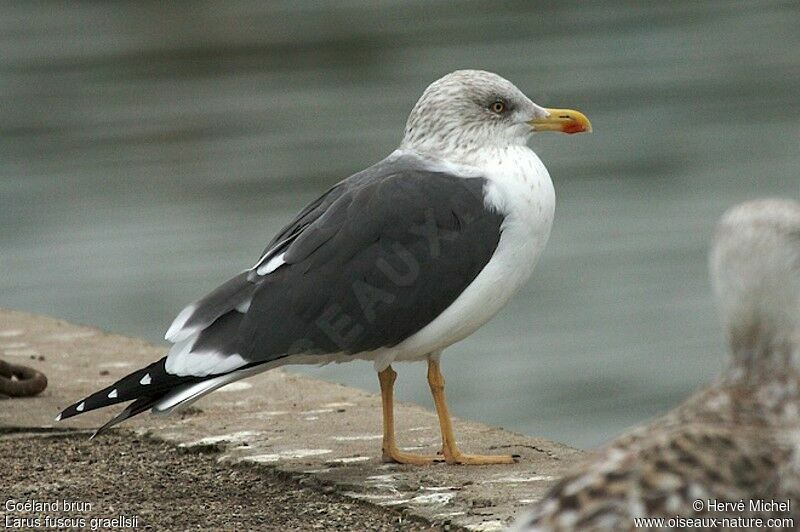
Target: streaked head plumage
{"points": [[469, 109]]}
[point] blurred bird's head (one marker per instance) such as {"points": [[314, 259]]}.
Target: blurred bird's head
{"points": [[755, 272]]}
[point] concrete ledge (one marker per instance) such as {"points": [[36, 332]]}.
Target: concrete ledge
{"points": [[325, 434]]}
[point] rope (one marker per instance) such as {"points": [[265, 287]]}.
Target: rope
{"points": [[20, 381]]}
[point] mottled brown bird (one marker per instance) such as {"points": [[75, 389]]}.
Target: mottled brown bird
{"points": [[730, 454]]}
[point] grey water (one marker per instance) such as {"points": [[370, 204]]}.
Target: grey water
{"points": [[148, 151]]}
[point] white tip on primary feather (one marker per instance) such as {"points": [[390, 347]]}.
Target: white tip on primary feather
{"points": [[58, 417], [112, 394], [177, 331], [244, 306], [80, 407], [144, 381], [271, 265]]}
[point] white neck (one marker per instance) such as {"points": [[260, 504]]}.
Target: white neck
{"points": [[462, 148]]}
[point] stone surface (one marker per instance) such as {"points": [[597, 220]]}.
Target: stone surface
{"points": [[167, 488], [326, 435]]}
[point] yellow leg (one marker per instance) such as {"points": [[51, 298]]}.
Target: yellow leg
{"points": [[390, 451], [452, 454]]}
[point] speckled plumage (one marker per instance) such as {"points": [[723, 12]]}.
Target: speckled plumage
{"points": [[739, 438], [451, 119]]}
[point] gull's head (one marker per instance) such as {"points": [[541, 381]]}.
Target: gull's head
{"points": [[755, 272], [471, 109]]}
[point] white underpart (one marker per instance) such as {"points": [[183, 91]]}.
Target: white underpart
{"points": [[519, 187], [271, 265]]}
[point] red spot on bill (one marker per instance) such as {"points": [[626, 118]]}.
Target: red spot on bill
{"points": [[573, 127]]}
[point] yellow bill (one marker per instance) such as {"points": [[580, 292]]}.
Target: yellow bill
{"points": [[563, 120]]}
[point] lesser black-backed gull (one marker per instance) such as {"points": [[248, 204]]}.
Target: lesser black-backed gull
{"points": [[395, 263], [729, 455]]}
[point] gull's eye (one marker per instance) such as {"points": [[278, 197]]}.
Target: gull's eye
{"points": [[498, 107]]}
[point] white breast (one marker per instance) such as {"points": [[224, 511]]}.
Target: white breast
{"points": [[520, 188]]}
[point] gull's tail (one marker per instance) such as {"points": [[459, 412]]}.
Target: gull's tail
{"points": [[153, 388], [145, 387], [204, 357]]}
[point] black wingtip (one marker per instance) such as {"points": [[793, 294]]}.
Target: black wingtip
{"points": [[106, 426], [119, 418], [133, 409], [144, 382], [72, 410]]}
